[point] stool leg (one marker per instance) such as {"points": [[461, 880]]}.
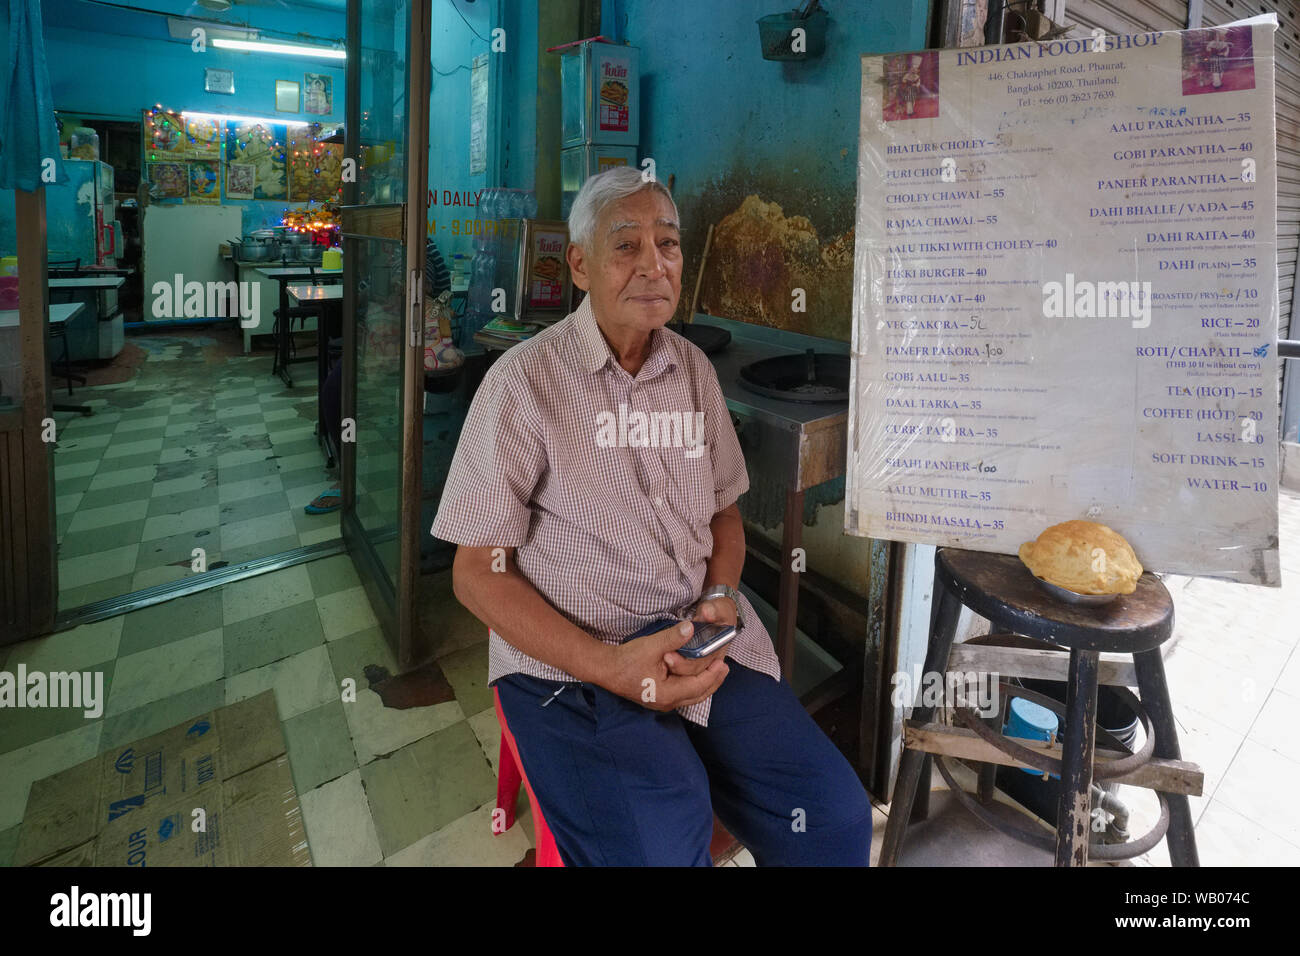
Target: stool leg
{"points": [[942, 630], [989, 771], [1154, 691], [1073, 816]]}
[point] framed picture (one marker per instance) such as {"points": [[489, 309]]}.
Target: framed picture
{"points": [[169, 180], [261, 146], [204, 138], [241, 180], [164, 136], [218, 81], [205, 181], [286, 96], [315, 169], [319, 93]]}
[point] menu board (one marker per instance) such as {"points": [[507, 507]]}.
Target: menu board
{"points": [[1065, 297]]}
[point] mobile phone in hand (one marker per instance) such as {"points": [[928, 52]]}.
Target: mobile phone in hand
{"points": [[707, 639]]}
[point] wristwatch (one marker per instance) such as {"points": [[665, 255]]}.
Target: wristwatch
{"points": [[727, 591]]}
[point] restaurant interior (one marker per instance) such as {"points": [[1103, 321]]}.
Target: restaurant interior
{"points": [[230, 268]]}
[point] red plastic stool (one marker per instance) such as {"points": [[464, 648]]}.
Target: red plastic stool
{"points": [[510, 775]]}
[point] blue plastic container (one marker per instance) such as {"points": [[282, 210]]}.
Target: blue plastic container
{"points": [[1032, 722]]}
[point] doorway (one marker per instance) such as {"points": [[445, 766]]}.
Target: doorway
{"points": [[189, 443]]}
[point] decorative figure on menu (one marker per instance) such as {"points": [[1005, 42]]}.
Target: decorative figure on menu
{"points": [[909, 84], [1217, 51]]}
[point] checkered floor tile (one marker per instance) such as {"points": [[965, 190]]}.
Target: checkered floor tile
{"points": [[190, 461]]}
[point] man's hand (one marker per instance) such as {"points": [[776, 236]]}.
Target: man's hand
{"points": [[719, 610], [641, 673]]}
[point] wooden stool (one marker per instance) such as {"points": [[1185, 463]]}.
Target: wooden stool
{"points": [[1000, 588]]}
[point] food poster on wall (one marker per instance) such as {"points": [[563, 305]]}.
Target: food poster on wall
{"points": [[163, 133], [262, 146], [203, 138], [169, 180], [315, 169], [205, 181], [318, 97], [1065, 298]]}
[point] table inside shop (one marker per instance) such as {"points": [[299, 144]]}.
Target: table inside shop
{"points": [[60, 314], [330, 298], [284, 275]]}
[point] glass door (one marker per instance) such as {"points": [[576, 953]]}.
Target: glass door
{"points": [[386, 131]]}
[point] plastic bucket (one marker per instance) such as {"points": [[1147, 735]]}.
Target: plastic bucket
{"points": [[1030, 721]]}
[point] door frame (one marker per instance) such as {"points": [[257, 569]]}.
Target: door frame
{"points": [[394, 602], [29, 585]]}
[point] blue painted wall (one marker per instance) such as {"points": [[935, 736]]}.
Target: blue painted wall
{"points": [[455, 41], [730, 124], [111, 63]]}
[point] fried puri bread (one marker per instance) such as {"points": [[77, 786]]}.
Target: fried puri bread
{"points": [[1065, 555]]}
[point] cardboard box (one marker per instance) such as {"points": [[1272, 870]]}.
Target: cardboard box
{"points": [[212, 791]]}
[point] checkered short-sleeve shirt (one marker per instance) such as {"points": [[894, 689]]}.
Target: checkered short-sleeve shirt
{"points": [[609, 520]]}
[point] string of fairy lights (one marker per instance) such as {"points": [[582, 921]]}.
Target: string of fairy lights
{"points": [[286, 163]]}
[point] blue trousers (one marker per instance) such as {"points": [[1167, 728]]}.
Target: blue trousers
{"points": [[621, 785]]}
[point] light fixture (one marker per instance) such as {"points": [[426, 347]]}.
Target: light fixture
{"points": [[189, 114], [290, 49], [214, 4], [182, 28]]}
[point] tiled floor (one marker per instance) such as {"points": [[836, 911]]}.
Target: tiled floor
{"points": [[416, 786], [1234, 678], [197, 450]]}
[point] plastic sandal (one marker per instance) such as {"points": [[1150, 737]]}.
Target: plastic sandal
{"points": [[312, 508]]}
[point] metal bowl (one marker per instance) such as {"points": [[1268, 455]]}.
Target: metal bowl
{"points": [[810, 377], [1074, 597]]}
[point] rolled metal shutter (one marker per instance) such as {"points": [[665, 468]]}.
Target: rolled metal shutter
{"points": [[1286, 81]]}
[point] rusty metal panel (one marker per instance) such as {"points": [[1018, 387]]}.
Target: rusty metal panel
{"points": [[823, 451]]}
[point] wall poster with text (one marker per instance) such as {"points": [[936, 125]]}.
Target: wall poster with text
{"points": [[1066, 298]]}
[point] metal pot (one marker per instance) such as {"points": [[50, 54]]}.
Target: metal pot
{"points": [[259, 246], [253, 252]]}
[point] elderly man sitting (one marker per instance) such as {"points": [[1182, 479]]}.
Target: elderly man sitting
{"points": [[575, 537]]}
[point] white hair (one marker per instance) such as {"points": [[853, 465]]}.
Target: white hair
{"points": [[601, 191]]}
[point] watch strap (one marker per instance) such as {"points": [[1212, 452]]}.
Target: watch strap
{"points": [[725, 590]]}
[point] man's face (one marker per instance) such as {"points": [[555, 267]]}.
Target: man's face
{"points": [[633, 272]]}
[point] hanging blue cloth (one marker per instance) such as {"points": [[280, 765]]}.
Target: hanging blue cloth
{"points": [[28, 134]]}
